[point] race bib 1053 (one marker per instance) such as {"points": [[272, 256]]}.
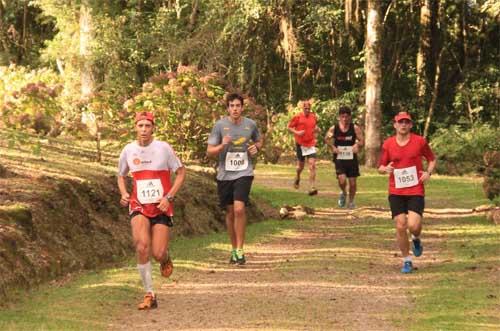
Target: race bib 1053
{"points": [[405, 177]]}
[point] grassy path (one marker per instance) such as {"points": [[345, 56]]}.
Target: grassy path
{"points": [[320, 274], [325, 273]]}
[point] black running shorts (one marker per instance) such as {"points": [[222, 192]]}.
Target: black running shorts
{"points": [[401, 204], [160, 219], [300, 157], [231, 190], [350, 168]]}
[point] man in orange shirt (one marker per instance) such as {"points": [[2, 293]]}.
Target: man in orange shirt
{"points": [[304, 128]]}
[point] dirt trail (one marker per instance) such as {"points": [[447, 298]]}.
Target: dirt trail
{"points": [[320, 275]]}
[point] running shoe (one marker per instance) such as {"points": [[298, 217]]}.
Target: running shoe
{"points": [[149, 302], [296, 183], [313, 192], [233, 259], [240, 260], [167, 267], [417, 247], [351, 205], [240, 257], [341, 201], [407, 267]]}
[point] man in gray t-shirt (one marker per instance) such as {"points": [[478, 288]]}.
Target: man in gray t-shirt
{"points": [[235, 140]]}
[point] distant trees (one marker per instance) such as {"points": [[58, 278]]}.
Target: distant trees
{"points": [[434, 58]]}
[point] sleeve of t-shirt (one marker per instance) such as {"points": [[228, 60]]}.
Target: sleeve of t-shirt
{"points": [[384, 155], [122, 163], [293, 122], [173, 161], [427, 151], [255, 132], [215, 137]]}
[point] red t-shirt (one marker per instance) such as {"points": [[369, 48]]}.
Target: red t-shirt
{"points": [[406, 157], [307, 123]]}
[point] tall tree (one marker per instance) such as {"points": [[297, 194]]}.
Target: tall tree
{"points": [[87, 76], [373, 63], [424, 51]]}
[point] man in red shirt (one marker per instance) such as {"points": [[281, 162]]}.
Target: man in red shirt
{"points": [[401, 158], [304, 128]]}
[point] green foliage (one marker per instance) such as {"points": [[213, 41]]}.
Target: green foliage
{"points": [[476, 98], [24, 29], [186, 104], [460, 151], [243, 41], [30, 99]]}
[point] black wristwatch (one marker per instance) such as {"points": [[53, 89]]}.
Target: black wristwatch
{"points": [[170, 198]]}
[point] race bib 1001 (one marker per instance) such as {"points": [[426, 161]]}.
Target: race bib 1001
{"points": [[149, 190], [405, 177], [236, 161], [345, 153], [308, 150]]}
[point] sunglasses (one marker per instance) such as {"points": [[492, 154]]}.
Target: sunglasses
{"points": [[404, 121]]}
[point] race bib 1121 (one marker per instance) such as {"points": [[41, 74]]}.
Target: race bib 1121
{"points": [[149, 190]]}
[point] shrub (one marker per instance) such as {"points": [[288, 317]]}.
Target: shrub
{"points": [[30, 100], [186, 104], [491, 184], [461, 151]]}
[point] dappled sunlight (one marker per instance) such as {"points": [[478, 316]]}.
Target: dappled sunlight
{"points": [[305, 251], [461, 230], [298, 286], [194, 265], [113, 284]]}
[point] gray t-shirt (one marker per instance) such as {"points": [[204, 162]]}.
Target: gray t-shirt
{"points": [[234, 160]]}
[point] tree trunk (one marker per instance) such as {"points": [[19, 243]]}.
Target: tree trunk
{"points": [[373, 70], [194, 16], [25, 28], [4, 41], [333, 55], [348, 9], [86, 75], [424, 52], [98, 141], [435, 93]]}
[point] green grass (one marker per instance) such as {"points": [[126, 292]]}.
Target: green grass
{"points": [[441, 191], [464, 292], [87, 301]]}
